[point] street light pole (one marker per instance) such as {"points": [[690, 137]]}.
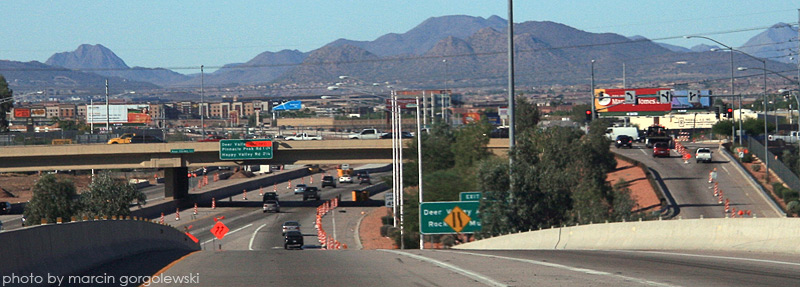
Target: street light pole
{"points": [[591, 102], [733, 93], [202, 103], [419, 171], [766, 130]]}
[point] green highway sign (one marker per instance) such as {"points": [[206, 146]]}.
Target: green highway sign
{"points": [[245, 149], [445, 217], [470, 195], [182, 150]]}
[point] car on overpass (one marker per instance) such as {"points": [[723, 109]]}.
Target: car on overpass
{"points": [[213, 138], [135, 138]]}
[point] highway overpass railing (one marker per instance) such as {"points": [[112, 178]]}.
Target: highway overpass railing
{"points": [[718, 234], [76, 247]]}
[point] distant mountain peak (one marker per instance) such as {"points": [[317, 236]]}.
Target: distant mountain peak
{"points": [[88, 56]]}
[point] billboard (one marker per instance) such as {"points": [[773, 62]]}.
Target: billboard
{"points": [[613, 101], [680, 100], [39, 113], [118, 114], [468, 118], [22, 113], [288, 106]]}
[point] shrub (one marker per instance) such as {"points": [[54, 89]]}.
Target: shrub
{"points": [[385, 230], [387, 220], [756, 167], [793, 207], [777, 188], [790, 195], [748, 157]]}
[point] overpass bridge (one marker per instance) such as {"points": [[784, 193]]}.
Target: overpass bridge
{"points": [[176, 164]]}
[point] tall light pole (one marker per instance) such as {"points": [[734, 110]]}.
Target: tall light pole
{"points": [[511, 112], [591, 102], [202, 103], [419, 170], [108, 116], [766, 131], [731, 49]]}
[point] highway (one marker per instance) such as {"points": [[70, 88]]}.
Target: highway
{"points": [[687, 183], [484, 268]]}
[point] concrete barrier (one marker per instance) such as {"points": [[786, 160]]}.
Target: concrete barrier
{"points": [[719, 234], [72, 248]]}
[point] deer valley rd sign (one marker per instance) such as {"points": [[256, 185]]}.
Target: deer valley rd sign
{"points": [[449, 217], [245, 149]]}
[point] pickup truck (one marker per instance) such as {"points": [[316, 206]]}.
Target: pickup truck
{"points": [[703, 154], [303, 137], [792, 137], [367, 134], [311, 192]]}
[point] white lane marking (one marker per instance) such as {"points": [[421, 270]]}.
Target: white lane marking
{"points": [[254, 235], [713, 257], [570, 268], [644, 152], [726, 170], [229, 233], [478, 277]]}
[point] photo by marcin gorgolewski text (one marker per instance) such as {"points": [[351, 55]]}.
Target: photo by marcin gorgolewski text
{"points": [[120, 280]]}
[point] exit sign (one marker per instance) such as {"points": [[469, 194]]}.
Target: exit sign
{"points": [[245, 149], [470, 195]]}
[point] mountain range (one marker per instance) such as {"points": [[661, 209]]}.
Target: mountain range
{"points": [[459, 51]]}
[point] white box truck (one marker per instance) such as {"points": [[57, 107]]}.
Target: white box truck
{"points": [[613, 132]]}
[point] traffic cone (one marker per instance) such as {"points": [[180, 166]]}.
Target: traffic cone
{"points": [[311, 179], [244, 195], [716, 189], [727, 205], [162, 219], [709, 176], [177, 214], [275, 187], [195, 208], [261, 191], [205, 180], [213, 203], [290, 184]]}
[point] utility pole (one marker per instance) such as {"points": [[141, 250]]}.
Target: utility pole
{"points": [[202, 104], [511, 113], [108, 116]]}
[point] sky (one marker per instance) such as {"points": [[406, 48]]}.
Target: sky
{"points": [[183, 34]]}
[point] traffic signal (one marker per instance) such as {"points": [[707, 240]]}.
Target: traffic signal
{"points": [[717, 110], [588, 115], [729, 113]]}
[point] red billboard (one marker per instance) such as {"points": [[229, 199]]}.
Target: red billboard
{"points": [[613, 100], [22, 113]]}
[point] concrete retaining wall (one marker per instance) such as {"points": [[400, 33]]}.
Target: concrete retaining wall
{"points": [[722, 234], [71, 248]]}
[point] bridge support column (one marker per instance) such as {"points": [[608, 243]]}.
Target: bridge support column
{"points": [[176, 183]]}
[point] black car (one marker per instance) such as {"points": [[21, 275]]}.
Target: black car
{"points": [[403, 134], [146, 139], [5, 207], [500, 132], [364, 179], [623, 140], [328, 181], [293, 239]]}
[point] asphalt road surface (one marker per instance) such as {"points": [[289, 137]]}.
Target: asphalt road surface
{"points": [[483, 268], [688, 183]]}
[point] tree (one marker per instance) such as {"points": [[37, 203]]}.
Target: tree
{"points": [[107, 196], [53, 197], [755, 126], [527, 115], [6, 103], [724, 127]]}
